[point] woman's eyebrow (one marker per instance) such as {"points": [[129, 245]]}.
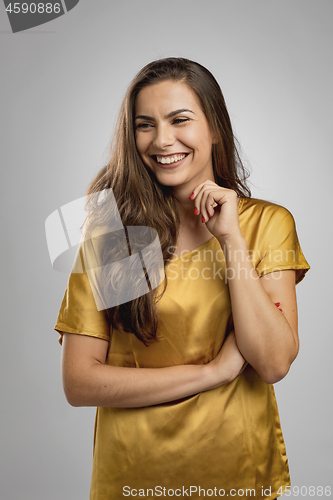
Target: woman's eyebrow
{"points": [[169, 115], [173, 113]]}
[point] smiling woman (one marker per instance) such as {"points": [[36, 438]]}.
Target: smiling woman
{"points": [[182, 376]]}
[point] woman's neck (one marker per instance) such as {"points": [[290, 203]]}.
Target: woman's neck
{"points": [[186, 213]]}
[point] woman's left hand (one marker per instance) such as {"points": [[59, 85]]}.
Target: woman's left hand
{"points": [[218, 207]]}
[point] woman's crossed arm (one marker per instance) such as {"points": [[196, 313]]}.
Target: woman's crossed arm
{"points": [[89, 381]]}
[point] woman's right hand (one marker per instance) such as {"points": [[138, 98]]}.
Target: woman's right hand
{"points": [[229, 362]]}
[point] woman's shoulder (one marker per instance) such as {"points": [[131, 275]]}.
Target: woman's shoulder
{"points": [[263, 208], [256, 215]]}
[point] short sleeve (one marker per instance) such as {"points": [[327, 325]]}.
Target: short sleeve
{"points": [[279, 245], [78, 312]]}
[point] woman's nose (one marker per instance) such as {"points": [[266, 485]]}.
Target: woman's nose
{"points": [[163, 137]]}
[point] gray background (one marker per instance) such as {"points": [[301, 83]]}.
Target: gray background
{"points": [[61, 86]]}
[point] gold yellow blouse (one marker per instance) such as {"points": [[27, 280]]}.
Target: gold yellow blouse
{"points": [[228, 438]]}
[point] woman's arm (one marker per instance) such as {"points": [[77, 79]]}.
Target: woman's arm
{"points": [[267, 339], [88, 381]]}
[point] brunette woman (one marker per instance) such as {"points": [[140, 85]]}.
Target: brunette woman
{"points": [[182, 376]]}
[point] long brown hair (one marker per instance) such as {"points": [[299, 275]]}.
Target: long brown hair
{"points": [[141, 199]]}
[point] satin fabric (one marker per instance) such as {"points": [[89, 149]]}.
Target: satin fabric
{"points": [[228, 438]]}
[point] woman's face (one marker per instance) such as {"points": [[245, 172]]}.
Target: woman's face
{"points": [[172, 135]]}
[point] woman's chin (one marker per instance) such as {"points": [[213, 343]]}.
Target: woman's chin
{"points": [[172, 183], [173, 177]]}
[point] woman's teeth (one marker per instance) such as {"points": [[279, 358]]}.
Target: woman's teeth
{"points": [[169, 159]]}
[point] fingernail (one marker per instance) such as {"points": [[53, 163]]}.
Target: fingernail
{"points": [[202, 218], [192, 196], [196, 211]]}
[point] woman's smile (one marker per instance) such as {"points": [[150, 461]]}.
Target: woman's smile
{"points": [[170, 161]]}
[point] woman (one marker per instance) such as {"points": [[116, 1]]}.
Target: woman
{"points": [[179, 415]]}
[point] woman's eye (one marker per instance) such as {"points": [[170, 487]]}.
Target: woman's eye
{"points": [[143, 125], [180, 120]]}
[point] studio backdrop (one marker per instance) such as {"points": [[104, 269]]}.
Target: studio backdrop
{"points": [[63, 76]]}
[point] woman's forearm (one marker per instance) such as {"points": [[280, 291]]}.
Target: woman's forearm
{"points": [[264, 336], [95, 383], [115, 386]]}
